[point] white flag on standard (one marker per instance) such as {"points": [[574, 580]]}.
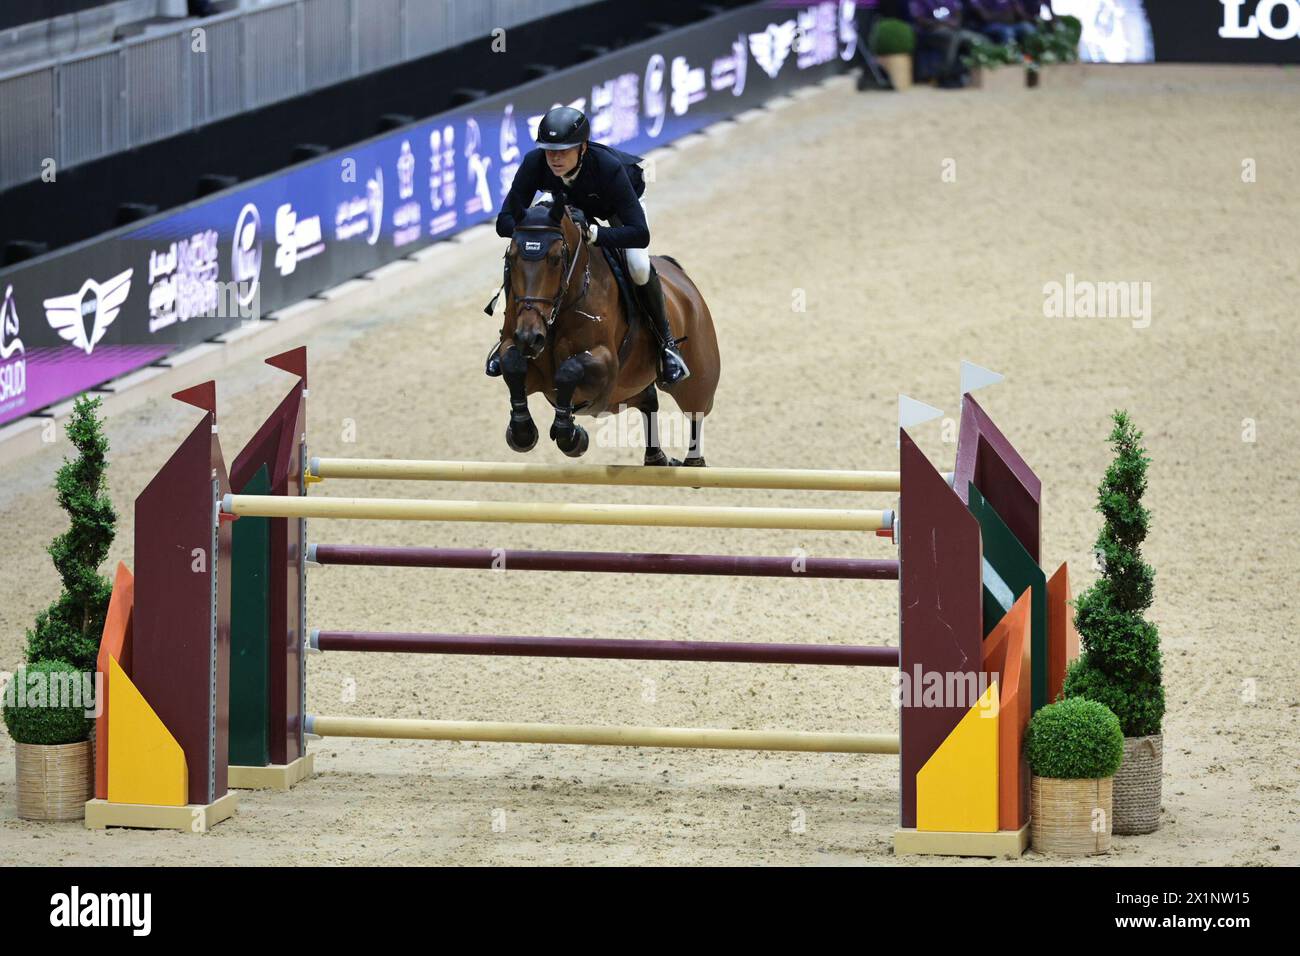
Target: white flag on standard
{"points": [[977, 376], [911, 412]]}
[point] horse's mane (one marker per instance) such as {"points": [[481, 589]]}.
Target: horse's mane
{"points": [[537, 216]]}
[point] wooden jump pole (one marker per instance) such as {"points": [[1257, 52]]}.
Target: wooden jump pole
{"points": [[796, 479], [622, 562], [627, 649], [680, 516], [676, 737]]}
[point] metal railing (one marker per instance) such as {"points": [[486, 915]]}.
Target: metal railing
{"points": [[88, 105]]}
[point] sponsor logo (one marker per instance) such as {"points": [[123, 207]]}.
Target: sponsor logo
{"points": [[476, 164], [688, 85], [772, 46], [362, 215], [728, 72], [532, 245], [1264, 20], [508, 138], [296, 239], [509, 149], [83, 317], [246, 254], [442, 180], [183, 280], [815, 41], [375, 204], [407, 215], [652, 94], [1114, 31], [848, 29], [616, 109], [13, 357]]}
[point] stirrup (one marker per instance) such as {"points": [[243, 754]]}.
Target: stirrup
{"points": [[492, 368], [667, 355]]}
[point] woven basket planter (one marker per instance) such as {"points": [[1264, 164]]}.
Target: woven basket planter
{"points": [[54, 781], [1063, 814], [1137, 785]]}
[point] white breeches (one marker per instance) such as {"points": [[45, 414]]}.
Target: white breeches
{"points": [[638, 260]]}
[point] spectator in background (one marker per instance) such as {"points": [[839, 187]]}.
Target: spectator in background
{"points": [[1002, 21], [939, 32]]}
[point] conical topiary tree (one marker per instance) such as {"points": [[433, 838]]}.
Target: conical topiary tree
{"points": [[1120, 665], [70, 628]]}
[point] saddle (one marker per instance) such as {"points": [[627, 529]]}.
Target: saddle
{"points": [[617, 260]]}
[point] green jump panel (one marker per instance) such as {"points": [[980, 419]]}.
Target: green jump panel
{"points": [[250, 621], [1008, 570]]}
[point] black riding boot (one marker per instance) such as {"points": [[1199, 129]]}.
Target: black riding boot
{"points": [[493, 367], [672, 367]]}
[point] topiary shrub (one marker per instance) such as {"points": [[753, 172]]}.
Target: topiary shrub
{"points": [[986, 55], [890, 37], [1121, 664], [70, 628], [1074, 739], [42, 707], [1071, 30]]}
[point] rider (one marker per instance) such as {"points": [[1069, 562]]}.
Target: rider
{"points": [[601, 182]]}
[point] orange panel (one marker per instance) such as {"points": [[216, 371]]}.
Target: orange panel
{"points": [[1062, 638], [1006, 654], [116, 644]]}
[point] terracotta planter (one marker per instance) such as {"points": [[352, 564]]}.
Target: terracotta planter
{"points": [[899, 68], [54, 781], [1070, 817], [1137, 785]]}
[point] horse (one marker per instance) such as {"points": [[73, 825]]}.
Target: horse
{"points": [[567, 336]]}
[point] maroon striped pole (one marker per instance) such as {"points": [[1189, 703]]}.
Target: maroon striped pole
{"points": [[617, 561], [597, 647]]}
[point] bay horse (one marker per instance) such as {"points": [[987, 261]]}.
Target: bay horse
{"points": [[567, 336]]}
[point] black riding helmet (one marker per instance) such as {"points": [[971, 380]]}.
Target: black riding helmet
{"points": [[563, 127]]}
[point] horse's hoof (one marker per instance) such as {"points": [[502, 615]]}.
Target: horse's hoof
{"points": [[661, 460], [580, 442], [525, 445], [694, 463]]}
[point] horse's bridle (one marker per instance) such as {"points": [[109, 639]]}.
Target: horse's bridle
{"points": [[529, 302]]}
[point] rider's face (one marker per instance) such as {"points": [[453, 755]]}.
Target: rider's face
{"points": [[562, 161]]}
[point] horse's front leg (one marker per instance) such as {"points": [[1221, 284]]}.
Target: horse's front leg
{"points": [[521, 433], [568, 435]]}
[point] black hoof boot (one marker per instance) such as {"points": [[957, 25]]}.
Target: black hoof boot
{"points": [[695, 462], [577, 444], [493, 366], [521, 436], [658, 459]]}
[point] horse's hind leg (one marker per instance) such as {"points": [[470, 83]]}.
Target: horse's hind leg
{"points": [[695, 454], [648, 404]]}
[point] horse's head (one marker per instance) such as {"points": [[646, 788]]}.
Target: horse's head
{"points": [[540, 264]]}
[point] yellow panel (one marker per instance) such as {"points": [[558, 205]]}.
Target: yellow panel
{"points": [[957, 789], [145, 763]]}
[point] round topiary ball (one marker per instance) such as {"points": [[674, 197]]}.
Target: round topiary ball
{"points": [[1074, 739], [46, 703]]}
